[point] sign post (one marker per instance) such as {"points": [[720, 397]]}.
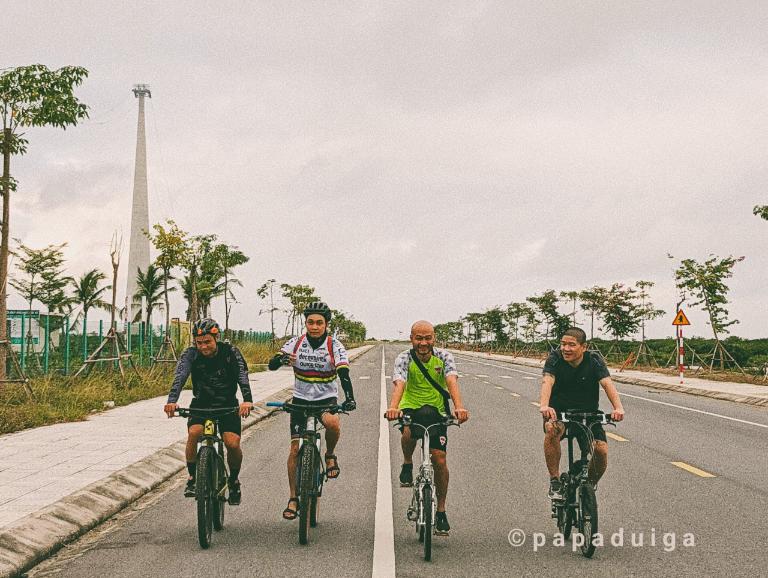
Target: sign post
{"points": [[679, 322]]}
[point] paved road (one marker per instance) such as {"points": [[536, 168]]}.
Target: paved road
{"points": [[498, 483]]}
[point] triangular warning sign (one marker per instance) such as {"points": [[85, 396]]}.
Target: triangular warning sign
{"points": [[681, 319]]}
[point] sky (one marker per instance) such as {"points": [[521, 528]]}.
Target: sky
{"points": [[413, 160]]}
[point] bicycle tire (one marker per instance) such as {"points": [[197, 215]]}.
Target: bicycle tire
{"points": [[306, 483], [314, 501], [203, 496], [426, 500], [587, 518], [219, 501]]}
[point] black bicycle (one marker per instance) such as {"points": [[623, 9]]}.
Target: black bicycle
{"points": [[211, 472], [424, 501], [310, 468], [578, 508]]}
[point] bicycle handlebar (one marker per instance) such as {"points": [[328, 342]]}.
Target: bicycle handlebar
{"points": [[407, 420], [585, 417], [218, 411], [315, 410]]}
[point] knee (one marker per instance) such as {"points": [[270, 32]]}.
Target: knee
{"points": [[552, 432], [332, 424], [439, 460], [601, 450], [294, 451], [232, 444]]}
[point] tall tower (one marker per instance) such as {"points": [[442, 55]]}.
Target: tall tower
{"points": [[138, 253]]}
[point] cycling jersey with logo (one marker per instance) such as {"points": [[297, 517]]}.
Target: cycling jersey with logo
{"points": [[418, 391], [315, 369]]}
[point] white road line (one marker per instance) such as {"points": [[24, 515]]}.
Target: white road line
{"points": [[536, 403], [513, 394], [364, 377], [695, 410], [528, 377], [384, 537], [506, 377], [481, 375]]}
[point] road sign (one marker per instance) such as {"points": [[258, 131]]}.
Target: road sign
{"points": [[19, 313], [681, 319]]}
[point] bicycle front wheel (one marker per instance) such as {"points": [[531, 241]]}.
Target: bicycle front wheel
{"points": [[219, 501], [426, 504], [587, 518], [306, 486], [204, 492]]}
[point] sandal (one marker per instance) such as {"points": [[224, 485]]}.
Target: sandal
{"points": [[289, 513], [332, 472]]}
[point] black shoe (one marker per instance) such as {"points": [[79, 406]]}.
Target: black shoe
{"points": [[234, 493], [189, 489], [555, 489], [442, 527], [406, 476]]}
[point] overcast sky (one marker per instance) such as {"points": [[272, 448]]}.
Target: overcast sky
{"points": [[413, 159]]}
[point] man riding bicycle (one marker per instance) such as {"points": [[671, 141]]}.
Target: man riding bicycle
{"points": [[571, 381], [217, 369], [418, 397], [320, 364]]}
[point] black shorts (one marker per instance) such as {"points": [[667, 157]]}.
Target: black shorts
{"points": [[426, 416], [298, 421], [577, 432], [229, 422]]}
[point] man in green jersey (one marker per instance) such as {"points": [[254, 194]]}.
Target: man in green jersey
{"points": [[416, 396]]}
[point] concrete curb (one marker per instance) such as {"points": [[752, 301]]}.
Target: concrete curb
{"points": [[33, 538], [723, 395]]}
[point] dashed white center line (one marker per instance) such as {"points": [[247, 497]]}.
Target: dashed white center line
{"points": [[506, 377], [513, 394], [364, 377], [481, 375], [527, 377], [536, 404], [499, 387]]}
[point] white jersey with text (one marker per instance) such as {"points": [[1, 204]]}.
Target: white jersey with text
{"points": [[315, 369]]}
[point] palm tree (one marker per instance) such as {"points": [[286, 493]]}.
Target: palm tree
{"points": [[150, 286], [88, 294]]}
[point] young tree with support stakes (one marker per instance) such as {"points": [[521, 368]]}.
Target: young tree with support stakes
{"points": [[573, 297], [171, 243], [228, 257], [591, 302], [149, 287], [268, 290], [706, 283], [547, 303], [646, 312], [619, 312], [515, 311], [30, 96]]}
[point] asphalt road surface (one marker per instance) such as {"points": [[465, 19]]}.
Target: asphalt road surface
{"points": [[686, 493]]}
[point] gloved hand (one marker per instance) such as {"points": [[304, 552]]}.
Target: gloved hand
{"points": [[349, 405]]}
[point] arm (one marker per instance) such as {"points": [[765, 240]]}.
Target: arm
{"points": [[613, 397], [180, 376], [244, 383], [346, 385], [452, 382], [393, 412], [547, 382]]}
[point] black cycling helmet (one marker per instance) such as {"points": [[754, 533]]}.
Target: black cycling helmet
{"points": [[206, 326], [319, 308]]}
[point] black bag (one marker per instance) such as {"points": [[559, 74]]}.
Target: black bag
{"points": [[432, 382]]}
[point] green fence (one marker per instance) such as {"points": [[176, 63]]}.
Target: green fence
{"points": [[60, 344]]}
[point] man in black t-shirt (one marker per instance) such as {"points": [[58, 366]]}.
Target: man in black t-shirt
{"points": [[572, 380]]}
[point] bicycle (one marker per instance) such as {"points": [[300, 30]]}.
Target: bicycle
{"points": [[424, 502], [578, 508], [211, 473], [310, 468]]}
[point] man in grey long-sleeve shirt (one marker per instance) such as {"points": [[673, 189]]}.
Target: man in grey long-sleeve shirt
{"points": [[217, 369]]}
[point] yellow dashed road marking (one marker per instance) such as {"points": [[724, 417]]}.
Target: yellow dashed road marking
{"points": [[693, 470], [613, 436]]}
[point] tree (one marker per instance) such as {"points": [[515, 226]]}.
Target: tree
{"points": [[171, 242], [475, 320], [149, 287], [761, 211], [299, 296], [228, 257], [572, 296], [646, 311], [267, 289], [449, 332], [30, 96], [706, 283], [591, 302], [87, 293], [493, 321], [547, 305], [514, 312], [346, 327], [619, 311]]}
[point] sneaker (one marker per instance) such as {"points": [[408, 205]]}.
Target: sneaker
{"points": [[442, 527], [189, 489], [234, 493], [555, 489], [406, 476]]}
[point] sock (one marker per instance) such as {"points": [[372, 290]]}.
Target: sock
{"points": [[233, 474], [192, 468]]}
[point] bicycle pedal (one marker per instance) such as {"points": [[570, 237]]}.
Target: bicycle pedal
{"points": [[438, 533]]}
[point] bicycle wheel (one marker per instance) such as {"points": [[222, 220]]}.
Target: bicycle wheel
{"points": [[306, 483], [204, 490], [587, 518], [314, 501], [219, 500], [426, 502]]}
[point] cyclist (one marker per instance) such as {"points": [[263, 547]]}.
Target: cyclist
{"points": [[415, 396], [571, 381], [217, 369], [319, 364]]}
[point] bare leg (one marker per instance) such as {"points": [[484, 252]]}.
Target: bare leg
{"points": [[553, 433], [441, 477], [599, 462]]}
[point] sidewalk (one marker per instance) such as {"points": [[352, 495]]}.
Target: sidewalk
{"points": [[58, 481], [726, 390]]}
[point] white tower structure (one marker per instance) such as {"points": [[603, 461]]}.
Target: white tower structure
{"points": [[138, 254]]}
